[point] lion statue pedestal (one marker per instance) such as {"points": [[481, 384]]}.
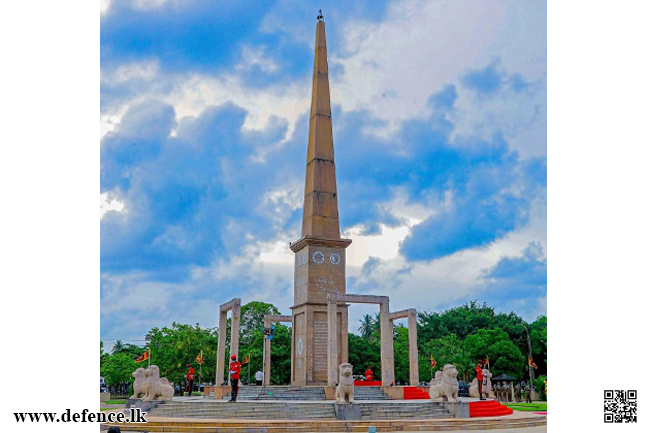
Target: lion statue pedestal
{"points": [[344, 406], [345, 388], [445, 386]]}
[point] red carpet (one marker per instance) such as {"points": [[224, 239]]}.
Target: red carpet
{"points": [[488, 408], [414, 393], [367, 383]]}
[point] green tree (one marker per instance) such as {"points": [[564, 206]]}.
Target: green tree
{"points": [[117, 347], [173, 348], [117, 368], [505, 357], [363, 354], [368, 326]]}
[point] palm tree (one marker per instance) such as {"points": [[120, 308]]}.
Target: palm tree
{"points": [[368, 326], [117, 347]]}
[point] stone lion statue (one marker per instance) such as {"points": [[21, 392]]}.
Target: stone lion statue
{"points": [[156, 388], [488, 392], [138, 384], [437, 378], [345, 388], [447, 388]]}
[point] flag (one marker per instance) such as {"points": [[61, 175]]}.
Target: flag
{"points": [[531, 363], [199, 358], [487, 361], [144, 357], [246, 359], [433, 362]]}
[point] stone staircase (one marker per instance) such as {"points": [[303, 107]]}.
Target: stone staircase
{"points": [[369, 393], [309, 393], [245, 410], [280, 392], [398, 410]]}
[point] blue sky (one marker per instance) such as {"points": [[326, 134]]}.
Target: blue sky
{"points": [[439, 112]]}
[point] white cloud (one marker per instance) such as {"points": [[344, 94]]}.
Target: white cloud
{"points": [[104, 5], [108, 203], [252, 57], [392, 68]]}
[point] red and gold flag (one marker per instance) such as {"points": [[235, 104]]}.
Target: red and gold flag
{"points": [[246, 359], [144, 357], [199, 358], [433, 362], [531, 363]]}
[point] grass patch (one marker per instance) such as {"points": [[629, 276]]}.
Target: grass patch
{"points": [[528, 407], [115, 402]]}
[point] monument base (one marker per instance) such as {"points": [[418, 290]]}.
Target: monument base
{"points": [[347, 411], [459, 410], [216, 392], [138, 403]]}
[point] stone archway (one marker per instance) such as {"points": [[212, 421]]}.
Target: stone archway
{"points": [[235, 306]]}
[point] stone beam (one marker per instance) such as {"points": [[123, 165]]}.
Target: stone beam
{"points": [[402, 314], [411, 315], [359, 299], [230, 304], [387, 360], [221, 346], [268, 320], [276, 319], [414, 373], [234, 305]]}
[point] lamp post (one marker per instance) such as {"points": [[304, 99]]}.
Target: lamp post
{"points": [[530, 356]]}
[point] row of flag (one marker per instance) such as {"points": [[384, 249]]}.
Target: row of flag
{"points": [[487, 362], [199, 358]]}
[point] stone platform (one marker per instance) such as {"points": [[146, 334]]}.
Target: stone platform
{"points": [[197, 414], [298, 410], [162, 424], [310, 393]]}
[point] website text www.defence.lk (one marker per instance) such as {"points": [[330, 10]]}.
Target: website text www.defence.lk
{"points": [[136, 416]]}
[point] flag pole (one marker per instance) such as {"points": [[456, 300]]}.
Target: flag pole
{"points": [[149, 358], [200, 368]]}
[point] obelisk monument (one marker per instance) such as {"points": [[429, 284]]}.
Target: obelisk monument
{"points": [[320, 252]]}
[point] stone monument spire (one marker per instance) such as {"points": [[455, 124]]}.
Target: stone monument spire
{"points": [[320, 252], [320, 213]]}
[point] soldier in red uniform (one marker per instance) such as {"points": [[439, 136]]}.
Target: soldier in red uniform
{"points": [[190, 379], [479, 378], [369, 374], [235, 368]]}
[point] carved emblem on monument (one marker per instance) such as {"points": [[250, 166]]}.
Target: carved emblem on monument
{"points": [[318, 257], [335, 259]]}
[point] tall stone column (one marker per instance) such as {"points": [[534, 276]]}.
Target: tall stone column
{"points": [[267, 356], [332, 340], [234, 330], [387, 359], [221, 346], [414, 373]]}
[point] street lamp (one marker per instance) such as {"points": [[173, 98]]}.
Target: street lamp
{"points": [[530, 357]]}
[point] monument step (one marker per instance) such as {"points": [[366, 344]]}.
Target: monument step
{"points": [[273, 426]]}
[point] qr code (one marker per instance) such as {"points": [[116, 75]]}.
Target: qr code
{"points": [[620, 406]]}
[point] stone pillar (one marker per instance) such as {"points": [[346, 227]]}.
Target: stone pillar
{"points": [[414, 373], [332, 340], [267, 356], [221, 346], [387, 364], [234, 329]]}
